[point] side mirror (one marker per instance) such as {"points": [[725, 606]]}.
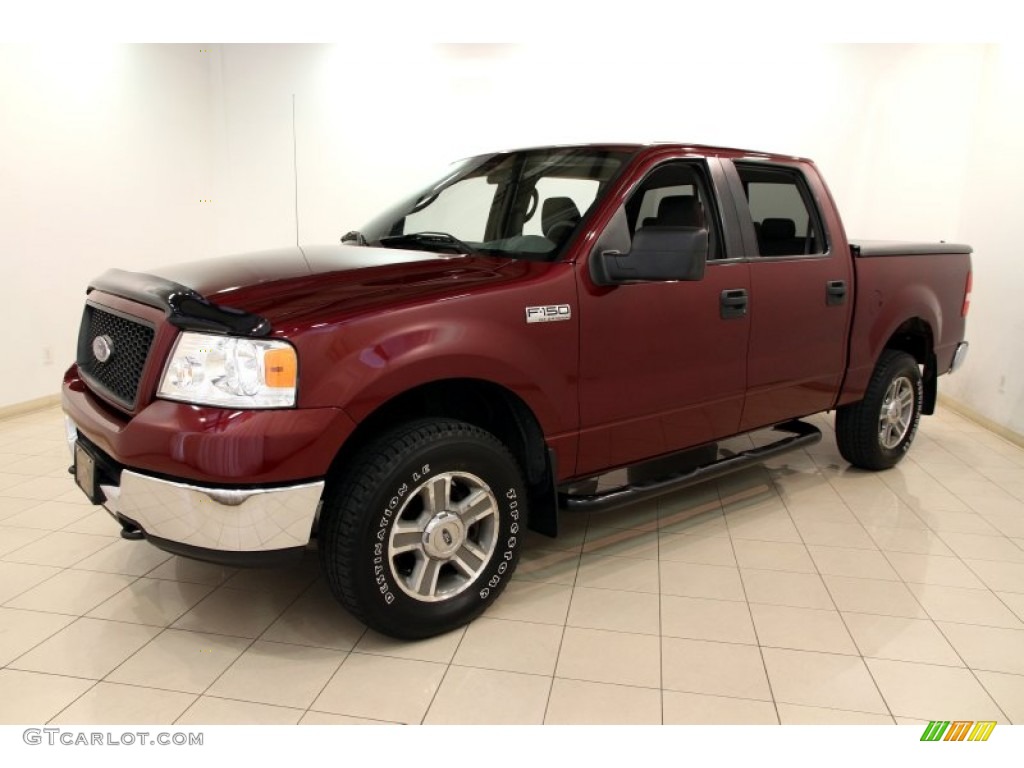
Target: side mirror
{"points": [[658, 254]]}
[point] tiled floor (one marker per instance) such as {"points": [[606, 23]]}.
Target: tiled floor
{"points": [[801, 592]]}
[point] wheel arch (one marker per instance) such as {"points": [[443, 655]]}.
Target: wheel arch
{"points": [[916, 337]]}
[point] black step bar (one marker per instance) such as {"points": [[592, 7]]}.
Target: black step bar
{"points": [[799, 435]]}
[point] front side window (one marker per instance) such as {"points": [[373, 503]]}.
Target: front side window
{"points": [[786, 222], [519, 204]]}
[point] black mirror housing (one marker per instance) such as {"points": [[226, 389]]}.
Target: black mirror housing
{"points": [[658, 254]]}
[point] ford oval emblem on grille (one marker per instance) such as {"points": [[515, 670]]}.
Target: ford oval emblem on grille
{"points": [[102, 348]]}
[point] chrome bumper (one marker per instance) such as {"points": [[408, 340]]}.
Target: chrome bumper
{"points": [[959, 356], [256, 520]]}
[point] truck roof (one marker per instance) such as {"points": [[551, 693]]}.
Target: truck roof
{"points": [[653, 145]]}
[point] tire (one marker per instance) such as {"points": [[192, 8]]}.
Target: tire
{"points": [[423, 531], [876, 433]]}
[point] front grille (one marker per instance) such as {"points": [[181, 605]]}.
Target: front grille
{"points": [[128, 340]]}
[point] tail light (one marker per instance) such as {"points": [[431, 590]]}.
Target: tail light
{"points": [[967, 295]]}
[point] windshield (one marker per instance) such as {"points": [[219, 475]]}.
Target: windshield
{"points": [[517, 204]]}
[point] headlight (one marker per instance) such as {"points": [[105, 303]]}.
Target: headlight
{"points": [[228, 371]]}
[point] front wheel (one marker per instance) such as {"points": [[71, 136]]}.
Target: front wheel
{"points": [[423, 531], [877, 432]]}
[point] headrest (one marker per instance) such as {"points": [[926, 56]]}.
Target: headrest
{"points": [[680, 211], [778, 229], [557, 209]]}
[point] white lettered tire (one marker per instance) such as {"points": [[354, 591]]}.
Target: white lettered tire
{"points": [[423, 531]]}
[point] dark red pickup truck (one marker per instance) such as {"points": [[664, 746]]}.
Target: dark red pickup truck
{"points": [[419, 395]]}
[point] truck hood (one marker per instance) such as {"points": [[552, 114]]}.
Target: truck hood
{"points": [[288, 288]]}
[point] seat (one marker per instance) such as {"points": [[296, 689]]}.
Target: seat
{"points": [[558, 218], [677, 211], [778, 238]]}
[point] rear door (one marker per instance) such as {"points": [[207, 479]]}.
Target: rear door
{"points": [[800, 292], [662, 364]]}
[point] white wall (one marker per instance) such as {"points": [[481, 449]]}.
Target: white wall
{"points": [[113, 175]]}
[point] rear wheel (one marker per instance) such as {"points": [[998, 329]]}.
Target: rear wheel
{"points": [[877, 432], [423, 531]]}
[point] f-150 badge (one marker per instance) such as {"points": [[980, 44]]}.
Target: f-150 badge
{"points": [[549, 314]]}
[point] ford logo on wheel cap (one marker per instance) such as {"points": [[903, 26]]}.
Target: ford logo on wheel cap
{"points": [[102, 348]]}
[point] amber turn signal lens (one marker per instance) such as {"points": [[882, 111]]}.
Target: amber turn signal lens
{"points": [[281, 367]]}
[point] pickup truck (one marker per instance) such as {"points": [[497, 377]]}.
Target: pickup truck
{"points": [[417, 397]]}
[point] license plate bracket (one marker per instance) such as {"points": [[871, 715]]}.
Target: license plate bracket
{"points": [[85, 473]]}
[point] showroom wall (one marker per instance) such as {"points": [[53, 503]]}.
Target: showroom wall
{"points": [[114, 151]]}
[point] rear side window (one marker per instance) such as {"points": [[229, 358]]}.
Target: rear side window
{"points": [[786, 221]]}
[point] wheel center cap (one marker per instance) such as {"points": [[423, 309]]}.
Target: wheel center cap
{"points": [[892, 413], [443, 535]]}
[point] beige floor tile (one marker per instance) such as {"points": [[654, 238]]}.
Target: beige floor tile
{"points": [[769, 526], [804, 629], [974, 547], [577, 702], [550, 566], [133, 558], [87, 648], [21, 631], [1008, 692], [1009, 524], [48, 516], [701, 709], [13, 539], [965, 606], [875, 596], [901, 639], [293, 579], [440, 648], [811, 512], [886, 515], [914, 541], [180, 661], [317, 619], [856, 563], [991, 648], [625, 573], [11, 506], [798, 590], [512, 646], [773, 556], [381, 688], [613, 610], [795, 714], [193, 571], [31, 698], [848, 536], [956, 522], [469, 696], [208, 710], [641, 516], [600, 656], [111, 704], [16, 578], [710, 581], [824, 680], [702, 520], [42, 488], [696, 548], [616, 542], [1015, 601], [922, 690], [96, 522], [324, 718], [151, 601], [701, 619], [933, 569], [1002, 577], [58, 549], [72, 592], [277, 673], [533, 601], [719, 669], [235, 612], [572, 530]]}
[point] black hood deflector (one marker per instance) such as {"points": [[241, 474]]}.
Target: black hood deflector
{"points": [[185, 308]]}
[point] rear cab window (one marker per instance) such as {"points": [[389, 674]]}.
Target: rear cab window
{"points": [[785, 218]]}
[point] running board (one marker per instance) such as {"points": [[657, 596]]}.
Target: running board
{"points": [[800, 434]]}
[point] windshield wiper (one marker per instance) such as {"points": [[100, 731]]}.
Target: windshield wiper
{"points": [[356, 237], [428, 241]]}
